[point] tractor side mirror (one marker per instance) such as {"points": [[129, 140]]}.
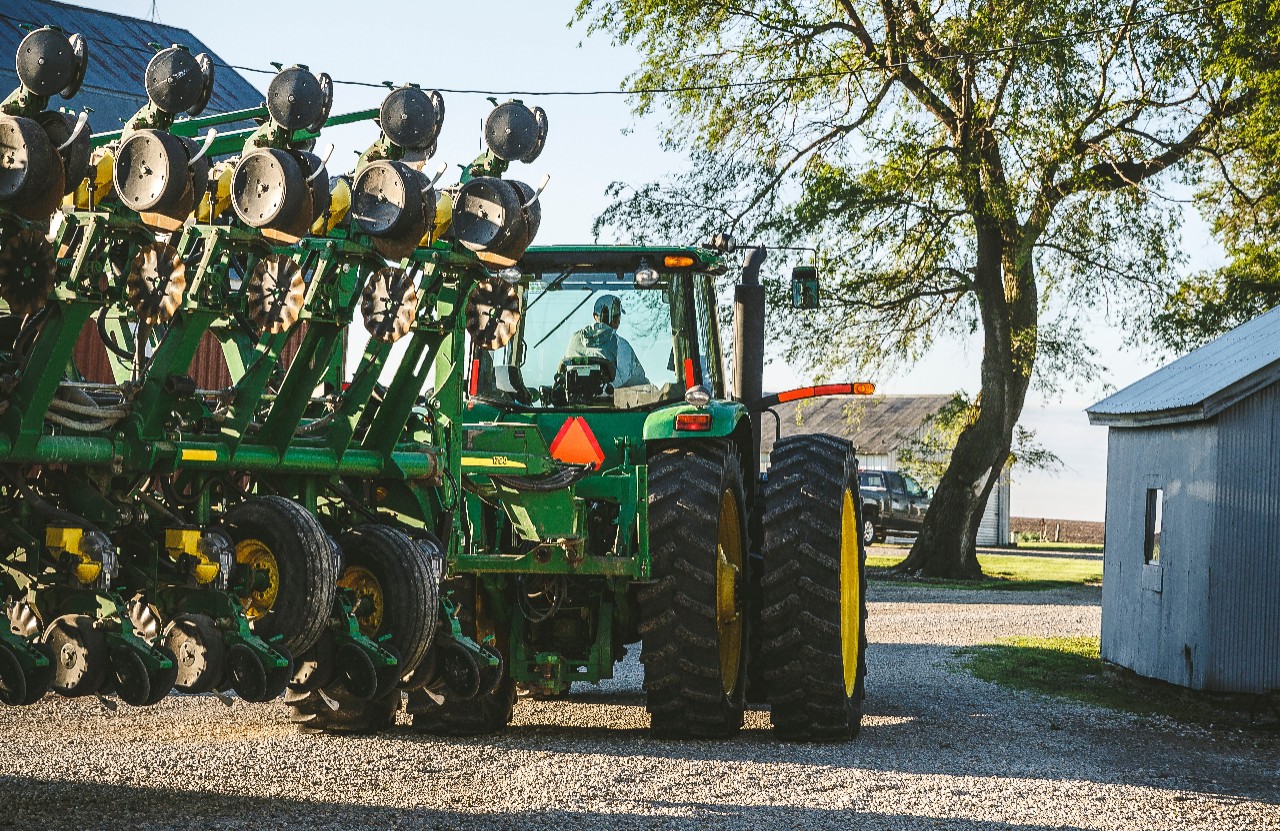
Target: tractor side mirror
{"points": [[804, 287]]}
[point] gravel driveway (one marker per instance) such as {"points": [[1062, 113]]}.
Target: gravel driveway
{"points": [[938, 749]]}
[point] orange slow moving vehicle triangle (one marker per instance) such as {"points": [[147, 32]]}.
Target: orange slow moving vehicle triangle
{"points": [[576, 444]]}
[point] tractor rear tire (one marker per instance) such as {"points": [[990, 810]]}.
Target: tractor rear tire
{"points": [[305, 562], [814, 583], [489, 712], [404, 574], [693, 616]]}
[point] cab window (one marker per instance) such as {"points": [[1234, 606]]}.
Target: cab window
{"points": [[589, 340]]}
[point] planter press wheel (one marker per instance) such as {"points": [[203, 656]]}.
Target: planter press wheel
{"points": [[22, 684], [81, 657], [201, 655]]}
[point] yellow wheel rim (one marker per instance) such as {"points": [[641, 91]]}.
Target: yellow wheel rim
{"points": [[365, 584], [729, 565], [850, 594], [258, 557]]}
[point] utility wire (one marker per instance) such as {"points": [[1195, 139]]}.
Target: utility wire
{"points": [[786, 79]]}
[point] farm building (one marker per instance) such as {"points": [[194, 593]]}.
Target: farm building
{"points": [[117, 59], [880, 427], [1194, 449]]}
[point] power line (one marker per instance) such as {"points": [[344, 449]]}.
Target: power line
{"points": [[726, 85]]}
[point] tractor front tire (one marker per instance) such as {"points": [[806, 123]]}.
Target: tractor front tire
{"points": [[814, 586], [693, 616]]}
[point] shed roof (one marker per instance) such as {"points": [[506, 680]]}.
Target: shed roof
{"points": [[118, 56], [878, 424], [1202, 383]]}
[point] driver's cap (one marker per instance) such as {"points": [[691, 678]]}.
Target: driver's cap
{"points": [[608, 308]]}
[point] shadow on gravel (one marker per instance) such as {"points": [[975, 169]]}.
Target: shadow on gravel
{"points": [[85, 806], [931, 721]]}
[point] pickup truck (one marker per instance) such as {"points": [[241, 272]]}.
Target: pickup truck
{"points": [[892, 503]]}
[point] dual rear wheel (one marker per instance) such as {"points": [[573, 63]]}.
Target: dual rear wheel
{"points": [[808, 637]]}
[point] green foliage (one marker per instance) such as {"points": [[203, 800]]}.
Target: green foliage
{"points": [[1239, 193], [1016, 572], [926, 456], [888, 155]]}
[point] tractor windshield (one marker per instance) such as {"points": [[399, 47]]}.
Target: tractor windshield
{"points": [[596, 339]]}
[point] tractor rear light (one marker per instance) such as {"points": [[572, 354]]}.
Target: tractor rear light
{"points": [[677, 261], [864, 388], [698, 396], [694, 422]]}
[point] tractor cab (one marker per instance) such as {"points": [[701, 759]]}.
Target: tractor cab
{"points": [[599, 328]]}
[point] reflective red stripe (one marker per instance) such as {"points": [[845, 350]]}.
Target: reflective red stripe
{"points": [[688, 373], [474, 386], [811, 392], [861, 388]]}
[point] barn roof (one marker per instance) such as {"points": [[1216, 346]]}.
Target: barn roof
{"points": [[1202, 383], [118, 56], [877, 425]]}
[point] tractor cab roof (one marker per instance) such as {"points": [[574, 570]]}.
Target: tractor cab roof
{"points": [[622, 258]]}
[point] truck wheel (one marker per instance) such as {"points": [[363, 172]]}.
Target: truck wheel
{"points": [[291, 571], [488, 712], [814, 583], [398, 581], [693, 615], [869, 533]]}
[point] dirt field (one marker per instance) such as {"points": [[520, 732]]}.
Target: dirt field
{"points": [[1058, 530], [939, 749]]}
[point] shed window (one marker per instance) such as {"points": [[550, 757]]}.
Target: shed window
{"points": [[1155, 523]]}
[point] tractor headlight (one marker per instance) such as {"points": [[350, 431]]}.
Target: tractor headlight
{"points": [[698, 396], [645, 275], [511, 275]]}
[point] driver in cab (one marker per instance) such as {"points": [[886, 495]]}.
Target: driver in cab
{"points": [[601, 341]]}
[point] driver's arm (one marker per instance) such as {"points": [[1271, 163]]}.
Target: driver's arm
{"points": [[630, 372]]}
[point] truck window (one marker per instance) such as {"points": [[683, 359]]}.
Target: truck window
{"points": [[871, 480], [913, 487]]}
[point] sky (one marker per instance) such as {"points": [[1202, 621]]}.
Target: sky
{"points": [[506, 45]]}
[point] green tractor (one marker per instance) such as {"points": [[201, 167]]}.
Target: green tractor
{"points": [[614, 494]]}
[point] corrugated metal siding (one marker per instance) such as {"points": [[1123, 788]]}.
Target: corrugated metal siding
{"points": [[1160, 634], [1244, 579], [118, 56], [1210, 378]]}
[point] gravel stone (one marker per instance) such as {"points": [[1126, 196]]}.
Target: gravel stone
{"points": [[938, 749]]}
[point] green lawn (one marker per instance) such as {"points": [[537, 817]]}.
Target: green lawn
{"points": [[1071, 668], [1015, 572]]}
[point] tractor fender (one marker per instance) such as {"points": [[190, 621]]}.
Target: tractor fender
{"points": [[660, 425]]}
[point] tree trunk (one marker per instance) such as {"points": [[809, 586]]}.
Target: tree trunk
{"points": [[1007, 297]]}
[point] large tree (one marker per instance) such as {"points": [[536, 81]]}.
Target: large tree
{"points": [[969, 167], [1239, 193]]}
